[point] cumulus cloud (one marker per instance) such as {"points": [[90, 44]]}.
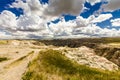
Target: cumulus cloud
{"points": [[30, 6], [74, 7], [81, 27], [96, 31], [33, 7], [102, 17], [92, 2], [30, 23], [7, 20], [54, 8], [62, 28], [116, 22], [58, 7], [83, 22], [33, 23], [28, 27], [33, 18], [107, 5]]}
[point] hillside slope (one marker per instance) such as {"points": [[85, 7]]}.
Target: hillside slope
{"points": [[109, 51], [53, 65]]}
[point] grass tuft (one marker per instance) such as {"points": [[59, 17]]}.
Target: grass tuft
{"points": [[3, 59], [3, 42]]}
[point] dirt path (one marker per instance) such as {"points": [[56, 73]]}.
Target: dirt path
{"points": [[15, 69], [18, 62]]}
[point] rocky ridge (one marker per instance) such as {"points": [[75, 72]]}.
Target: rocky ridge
{"points": [[86, 56], [111, 52]]}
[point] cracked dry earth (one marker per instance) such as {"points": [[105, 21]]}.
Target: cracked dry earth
{"points": [[19, 57]]}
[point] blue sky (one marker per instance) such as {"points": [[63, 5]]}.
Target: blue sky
{"points": [[4, 5], [92, 8], [89, 10]]}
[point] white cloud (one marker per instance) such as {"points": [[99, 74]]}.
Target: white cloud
{"points": [[7, 20], [102, 17], [73, 29], [30, 23], [30, 7], [96, 31], [62, 28], [93, 1], [116, 22], [83, 22], [33, 23], [33, 8], [21, 4]]}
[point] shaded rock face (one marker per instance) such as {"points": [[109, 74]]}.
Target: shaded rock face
{"points": [[111, 53], [86, 56], [73, 43]]}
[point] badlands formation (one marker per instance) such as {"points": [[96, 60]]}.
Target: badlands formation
{"points": [[20, 52]]}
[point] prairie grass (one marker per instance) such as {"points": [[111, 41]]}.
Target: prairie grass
{"points": [[3, 42], [111, 40], [53, 65]]}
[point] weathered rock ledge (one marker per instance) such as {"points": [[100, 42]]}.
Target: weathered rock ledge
{"points": [[86, 56]]}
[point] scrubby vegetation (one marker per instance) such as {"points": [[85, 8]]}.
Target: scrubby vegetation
{"points": [[3, 59], [89, 42], [53, 65], [112, 40], [3, 42]]}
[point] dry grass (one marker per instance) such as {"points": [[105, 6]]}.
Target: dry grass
{"points": [[52, 65], [3, 42]]}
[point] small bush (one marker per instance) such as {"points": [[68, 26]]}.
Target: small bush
{"points": [[3, 59], [28, 76]]}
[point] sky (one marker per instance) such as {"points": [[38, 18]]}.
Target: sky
{"points": [[51, 19]]}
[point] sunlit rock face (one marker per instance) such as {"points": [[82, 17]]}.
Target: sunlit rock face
{"points": [[87, 56], [112, 53]]}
